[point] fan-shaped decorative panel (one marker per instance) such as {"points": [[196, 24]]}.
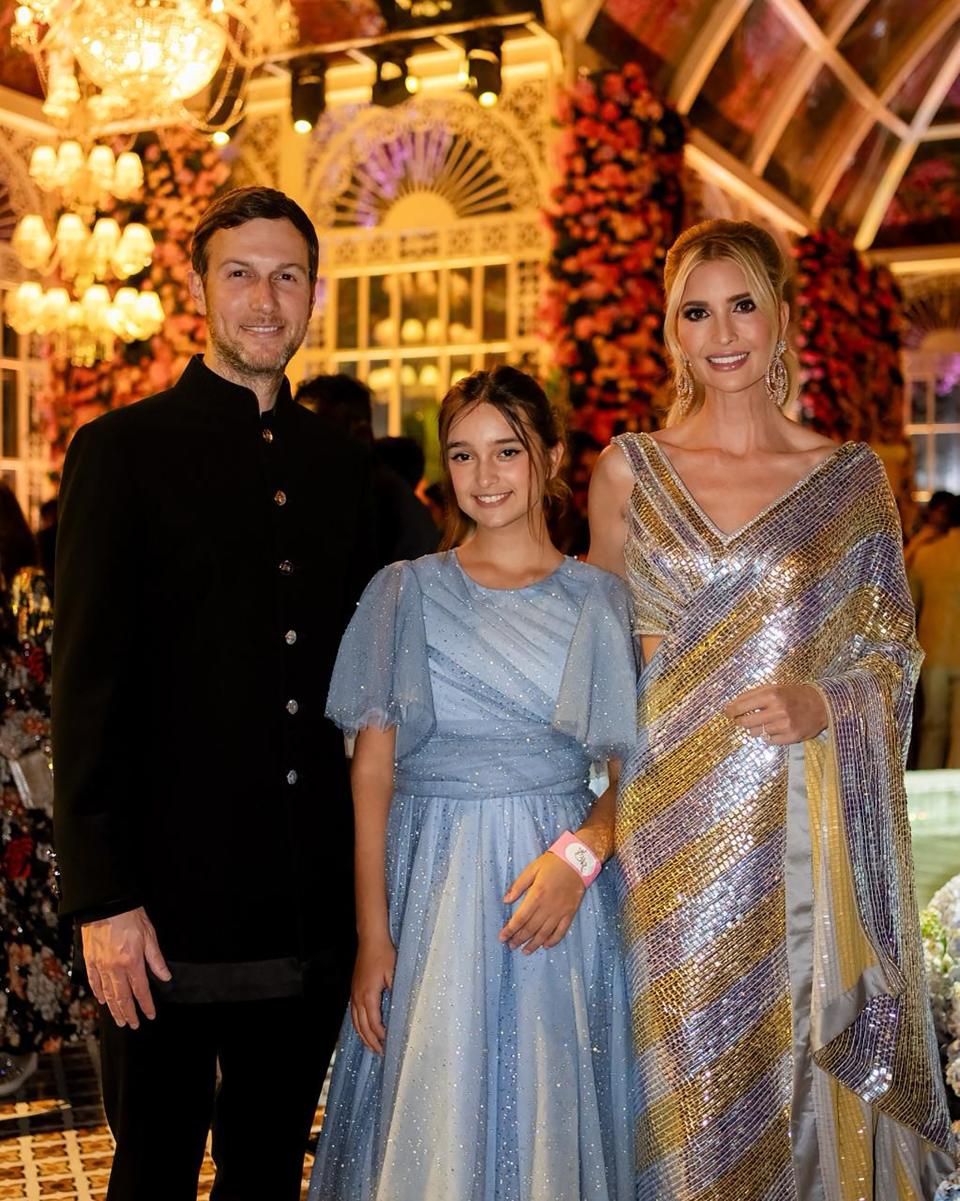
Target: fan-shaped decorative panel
{"points": [[933, 317], [425, 163], [434, 170], [8, 215]]}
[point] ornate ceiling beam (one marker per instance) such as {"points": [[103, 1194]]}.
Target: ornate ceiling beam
{"points": [[795, 14], [711, 161], [862, 120], [897, 167], [913, 53], [797, 84], [941, 133], [916, 47], [704, 50]]}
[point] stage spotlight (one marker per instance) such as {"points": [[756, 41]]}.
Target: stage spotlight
{"points": [[484, 69], [394, 83], [308, 93]]}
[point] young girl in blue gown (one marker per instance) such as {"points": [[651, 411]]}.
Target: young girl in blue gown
{"points": [[486, 1054]]}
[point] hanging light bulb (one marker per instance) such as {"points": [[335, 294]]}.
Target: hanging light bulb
{"points": [[43, 166], [101, 166], [31, 242], [127, 175], [104, 242], [54, 311], [23, 307], [69, 162], [134, 251]]}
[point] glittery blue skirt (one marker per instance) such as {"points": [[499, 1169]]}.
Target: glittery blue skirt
{"points": [[505, 1077]]}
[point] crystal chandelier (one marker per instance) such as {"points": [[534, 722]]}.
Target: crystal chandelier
{"points": [[124, 63], [84, 330], [81, 179], [81, 254]]}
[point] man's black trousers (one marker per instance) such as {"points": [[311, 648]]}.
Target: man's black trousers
{"points": [[161, 1096]]}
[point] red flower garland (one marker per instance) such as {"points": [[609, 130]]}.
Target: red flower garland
{"points": [[849, 341], [182, 173], [615, 210]]}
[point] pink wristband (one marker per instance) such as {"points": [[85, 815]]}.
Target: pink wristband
{"points": [[577, 854]]}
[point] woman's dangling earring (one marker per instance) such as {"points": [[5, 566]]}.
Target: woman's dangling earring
{"points": [[777, 380], [683, 384]]}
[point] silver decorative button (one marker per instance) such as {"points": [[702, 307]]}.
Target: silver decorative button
{"points": [[292, 707], [285, 567], [267, 435], [291, 777], [279, 497], [290, 637]]}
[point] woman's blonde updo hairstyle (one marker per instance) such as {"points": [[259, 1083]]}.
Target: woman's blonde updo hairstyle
{"points": [[759, 258]]}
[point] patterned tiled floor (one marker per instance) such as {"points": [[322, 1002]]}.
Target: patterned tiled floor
{"points": [[54, 1142]]}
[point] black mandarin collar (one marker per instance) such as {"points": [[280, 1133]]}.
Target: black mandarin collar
{"points": [[228, 401]]}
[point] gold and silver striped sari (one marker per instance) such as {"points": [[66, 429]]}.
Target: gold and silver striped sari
{"points": [[785, 1048]]}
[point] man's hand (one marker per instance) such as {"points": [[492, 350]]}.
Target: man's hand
{"points": [[118, 950]]}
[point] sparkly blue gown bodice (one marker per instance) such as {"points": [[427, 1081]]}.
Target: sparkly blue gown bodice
{"points": [[505, 1077]]}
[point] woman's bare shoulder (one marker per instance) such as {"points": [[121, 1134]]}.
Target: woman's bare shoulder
{"points": [[612, 472]]}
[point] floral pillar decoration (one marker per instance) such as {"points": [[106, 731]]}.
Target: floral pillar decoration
{"points": [[182, 174], [850, 335], [615, 209]]}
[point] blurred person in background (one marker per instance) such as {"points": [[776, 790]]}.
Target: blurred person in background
{"points": [[436, 502], [934, 574], [40, 1008], [404, 527], [47, 538], [404, 457], [934, 524]]}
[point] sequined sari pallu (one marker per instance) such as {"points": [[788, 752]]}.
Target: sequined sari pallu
{"points": [[785, 1048]]}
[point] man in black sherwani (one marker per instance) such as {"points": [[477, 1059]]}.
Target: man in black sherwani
{"points": [[213, 542]]}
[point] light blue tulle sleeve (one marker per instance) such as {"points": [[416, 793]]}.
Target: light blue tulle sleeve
{"points": [[382, 675], [597, 702]]}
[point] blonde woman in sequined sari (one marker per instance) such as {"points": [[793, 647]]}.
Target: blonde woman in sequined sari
{"points": [[785, 1048]]}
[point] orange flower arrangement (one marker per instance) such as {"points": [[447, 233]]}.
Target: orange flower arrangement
{"points": [[615, 209]]}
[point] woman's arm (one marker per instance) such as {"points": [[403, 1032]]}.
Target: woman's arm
{"points": [[610, 488], [371, 780], [553, 889]]}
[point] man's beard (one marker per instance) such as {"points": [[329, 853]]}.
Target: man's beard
{"points": [[235, 355]]}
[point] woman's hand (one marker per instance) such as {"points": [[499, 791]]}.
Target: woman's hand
{"points": [[372, 973], [554, 892], [780, 714]]}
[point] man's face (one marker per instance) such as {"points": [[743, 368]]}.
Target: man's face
{"points": [[256, 296]]}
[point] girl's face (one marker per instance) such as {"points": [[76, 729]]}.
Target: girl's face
{"points": [[727, 339], [494, 480]]}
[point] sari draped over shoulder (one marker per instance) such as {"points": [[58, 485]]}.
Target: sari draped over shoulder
{"points": [[785, 1046]]}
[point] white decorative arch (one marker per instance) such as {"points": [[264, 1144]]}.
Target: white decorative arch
{"points": [[18, 193], [476, 161]]}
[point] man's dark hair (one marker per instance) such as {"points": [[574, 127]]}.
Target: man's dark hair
{"points": [[344, 401], [241, 205]]}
